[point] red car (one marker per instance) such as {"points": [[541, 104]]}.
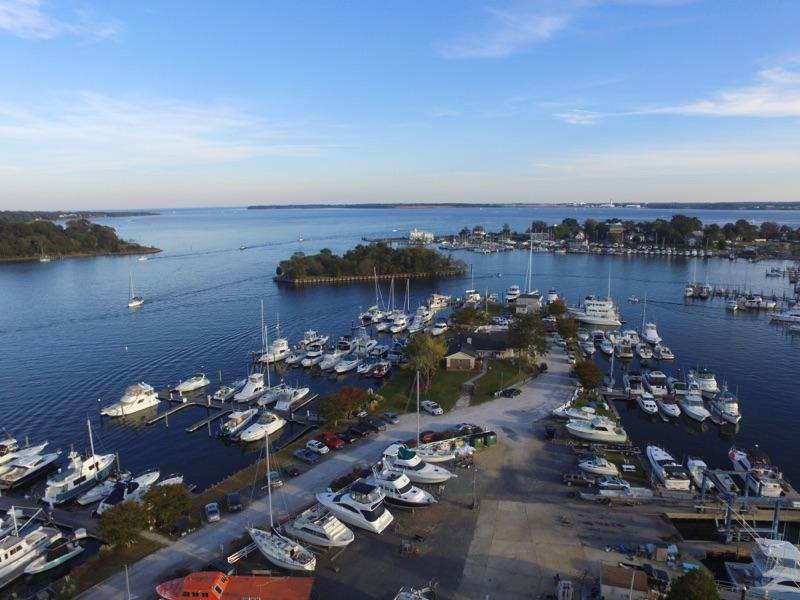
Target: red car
{"points": [[427, 437], [331, 441]]}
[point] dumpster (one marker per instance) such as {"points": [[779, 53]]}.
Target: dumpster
{"points": [[476, 441], [490, 438]]}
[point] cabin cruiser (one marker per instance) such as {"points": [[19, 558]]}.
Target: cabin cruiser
{"points": [[23, 470], [361, 505], [137, 397], [662, 352], [644, 351], [688, 291], [582, 335], [697, 467], [598, 465], [101, 490], [319, 527], [78, 476], [439, 327], [647, 403], [288, 398], [692, 403], [667, 470], [399, 323], [599, 429], [632, 336], [271, 394], [512, 293], [226, 392], [310, 338], [400, 459], [363, 343], [567, 411], [613, 336], [364, 368], [7, 445], [668, 406], [436, 452], [237, 421], [128, 491], [438, 302], [379, 350], [726, 405], [195, 382], [314, 355], [346, 343], [331, 359], [634, 384], [598, 336], [650, 334], [774, 570], [24, 545], [372, 315], [655, 382], [348, 364], [267, 424], [705, 380], [398, 489], [294, 358], [676, 387], [277, 351], [253, 388], [588, 347], [173, 479], [282, 551], [763, 478], [623, 348], [597, 312], [607, 347]]}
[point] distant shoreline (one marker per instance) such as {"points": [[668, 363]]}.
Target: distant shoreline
{"points": [[651, 205], [28, 216], [139, 251]]}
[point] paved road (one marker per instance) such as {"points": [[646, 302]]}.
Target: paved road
{"points": [[200, 547]]}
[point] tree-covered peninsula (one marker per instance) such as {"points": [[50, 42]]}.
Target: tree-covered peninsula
{"points": [[364, 261], [25, 241]]}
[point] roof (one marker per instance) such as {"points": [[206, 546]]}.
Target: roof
{"points": [[621, 578], [462, 347], [237, 587], [496, 341]]}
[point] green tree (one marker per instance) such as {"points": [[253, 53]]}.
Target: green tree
{"points": [[694, 585], [589, 374], [335, 407], [566, 328], [527, 334], [425, 354], [470, 317], [120, 525], [557, 307], [165, 504]]}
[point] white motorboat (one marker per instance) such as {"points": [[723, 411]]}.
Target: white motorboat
{"points": [[552, 295], [403, 460], [372, 315], [254, 388], [650, 334], [472, 296], [294, 358], [319, 527], [644, 351], [567, 411], [706, 380], [655, 382], [346, 344], [399, 324], [311, 337], [436, 452], [633, 382], [282, 551], [128, 491], [290, 398], [363, 344], [761, 476], [137, 397], [632, 336], [173, 479], [101, 490], [57, 553], [688, 291], [662, 352], [595, 311], [314, 355], [774, 571], [733, 305], [24, 545], [598, 465], [696, 468], [277, 351], [133, 300], [582, 335], [379, 350], [676, 387], [360, 505], [588, 348], [439, 327], [667, 470], [237, 421], [438, 302], [267, 424], [623, 348], [647, 403], [348, 364], [331, 359], [726, 405], [512, 293], [692, 403], [599, 429], [668, 406], [364, 368], [398, 489], [81, 474], [195, 382], [21, 471], [607, 347], [28, 451], [226, 392], [272, 394]]}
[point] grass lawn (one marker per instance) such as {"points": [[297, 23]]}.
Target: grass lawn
{"points": [[639, 478], [584, 400], [444, 388], [502, 373]]}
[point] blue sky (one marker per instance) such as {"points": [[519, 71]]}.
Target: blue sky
{"points": [[144, 104]]}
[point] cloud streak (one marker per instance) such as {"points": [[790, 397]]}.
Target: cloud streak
{"points": [[27, 19]]}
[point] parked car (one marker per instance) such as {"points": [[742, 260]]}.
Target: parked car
{"points": [[317, 446], [331, 440], [373, 423], [233, 502], [431, 407], [428, 436], [580, 478], [358, 431], [211, 511], [347, 437], [307, 456], [291, 470], [510, 393], [275, 479], [467, 428], [390, 418], [571, 358]]}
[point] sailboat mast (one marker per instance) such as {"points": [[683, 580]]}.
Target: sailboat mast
{"points": [[269, 481], [263, 342], [529, 278], [266, 344], [91, 440], [130, 285], [417, 408], [644, 311]]}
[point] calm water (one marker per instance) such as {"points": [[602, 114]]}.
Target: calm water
{"points": [[67, 337]]}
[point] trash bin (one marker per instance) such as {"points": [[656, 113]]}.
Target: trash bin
{"points": [[490, 438], [476, 441]]}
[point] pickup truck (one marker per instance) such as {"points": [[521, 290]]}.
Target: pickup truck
{"points": [[578, 479]]}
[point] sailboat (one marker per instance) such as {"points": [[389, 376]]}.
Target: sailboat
{"points": [[133, 301], [276, 548]]}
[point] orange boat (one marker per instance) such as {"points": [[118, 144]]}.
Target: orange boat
{"points": [[216, 585]]}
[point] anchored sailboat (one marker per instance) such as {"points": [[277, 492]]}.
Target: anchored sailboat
{"points": [[133, 301]]}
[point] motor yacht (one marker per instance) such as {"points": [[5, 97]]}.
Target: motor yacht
{"points": [[254, 388], [311, 337], [692, 403], [633, 382], [668, 406], [23, 470], [319, 527], [597, 312], [773, 570], [28, 451], [267, 424], [472, 296], [697, 467], [552, 295], [130, 491], [726, 405], [607, 347], [237, 421], [363, 343], [436, 452], [650, 334], [101, 490], [277, 351], [400, 459], [348, 364], [282, 551], [598, 465], [512, 293], [372, 315], [398, 489], [360, 505], [599, 429], [195, 382], [623, 349], [439, 327], [438, 302], [226, 392], [314, 355], [761, 476], [647, 403], [399, 324], [137, 397], [290, 398], [706, 380], [644, 351], [632, 336], [24, 545], [655, 382], [667, 470], [676, 387], [662, 352], [80, 474]]}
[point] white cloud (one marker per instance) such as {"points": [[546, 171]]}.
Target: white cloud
{"points": [[510, 32], [28, 19]]}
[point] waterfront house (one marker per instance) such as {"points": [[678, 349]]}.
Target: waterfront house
{"points": [[491, 344], [460, 357]]}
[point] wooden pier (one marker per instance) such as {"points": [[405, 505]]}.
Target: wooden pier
{"points": [[366, 278], [208, 420]]}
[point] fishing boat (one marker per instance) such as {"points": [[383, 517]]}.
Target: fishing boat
{"points": [[26, 469], [319, 527], [237, 421], [290, 398], [598, 465], [267, 424], [195, 382], [128, 491], [667, 470], [361, 505], [692, 403], [253, 388], [726, 405], [599, 429], [398, 489], [773, 571], [136, 398], [133, 301], [56, 554], [761, 476], [647, 403], [277, 351], [650, 334], [400, 459], [219, 586]]}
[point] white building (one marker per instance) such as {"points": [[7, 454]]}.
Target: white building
{"points": [[417, 236]]}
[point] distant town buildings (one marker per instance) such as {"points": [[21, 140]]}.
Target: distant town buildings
{"points": [[417, 236]]}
